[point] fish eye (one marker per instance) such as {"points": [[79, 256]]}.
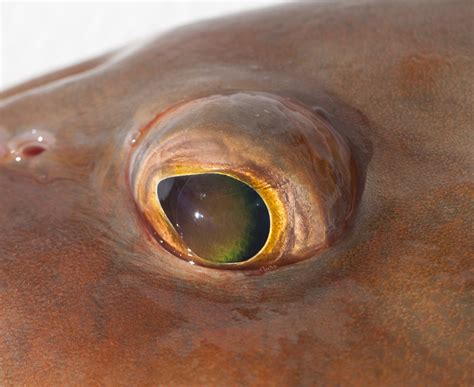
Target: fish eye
{"points": [[221, 219], [243, 180]]}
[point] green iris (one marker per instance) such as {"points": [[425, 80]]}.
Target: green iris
{"points": [[219, 218]]}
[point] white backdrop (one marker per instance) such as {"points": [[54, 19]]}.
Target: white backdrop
{"points": [[36, 38]]}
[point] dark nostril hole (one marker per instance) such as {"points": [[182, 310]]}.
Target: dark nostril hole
{"points": [[33, 150]]}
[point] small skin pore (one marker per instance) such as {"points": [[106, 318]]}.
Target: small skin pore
{"points": [[368, 281]]}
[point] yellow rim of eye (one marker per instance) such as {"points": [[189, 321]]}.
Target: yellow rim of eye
{"points": [[155, 214]]}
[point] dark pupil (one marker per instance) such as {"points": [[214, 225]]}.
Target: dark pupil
{"points": [[219, 218]]}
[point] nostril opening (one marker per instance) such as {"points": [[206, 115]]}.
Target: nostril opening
{"points": [[29, 144], [33, 150]]}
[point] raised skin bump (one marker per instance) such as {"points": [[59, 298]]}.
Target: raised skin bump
{"points": [[86, 298]]}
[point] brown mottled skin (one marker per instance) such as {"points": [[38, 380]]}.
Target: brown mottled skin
{"points": [[89, 298]]}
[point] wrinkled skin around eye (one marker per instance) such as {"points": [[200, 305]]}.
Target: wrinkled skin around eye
{"points": [[87, 294]]}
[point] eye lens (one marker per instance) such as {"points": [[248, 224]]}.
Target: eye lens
{"points": [[219, 218]]}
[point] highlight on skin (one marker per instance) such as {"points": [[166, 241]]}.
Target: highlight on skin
{"points": [[292, 159], [220, 218]]}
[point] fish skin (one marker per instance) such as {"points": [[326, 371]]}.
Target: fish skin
{"points": [[87, 295]]}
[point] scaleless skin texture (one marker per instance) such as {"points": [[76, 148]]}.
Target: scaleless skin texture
{"points": [[89, 297]]}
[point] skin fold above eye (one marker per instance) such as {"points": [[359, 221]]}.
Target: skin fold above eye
{"points": [[88, 296]]}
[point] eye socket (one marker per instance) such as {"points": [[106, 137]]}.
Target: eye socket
{"points": [[220, 218], [220, 156]]}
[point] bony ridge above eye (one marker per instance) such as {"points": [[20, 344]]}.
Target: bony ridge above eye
{"points": [[282, 181]]}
